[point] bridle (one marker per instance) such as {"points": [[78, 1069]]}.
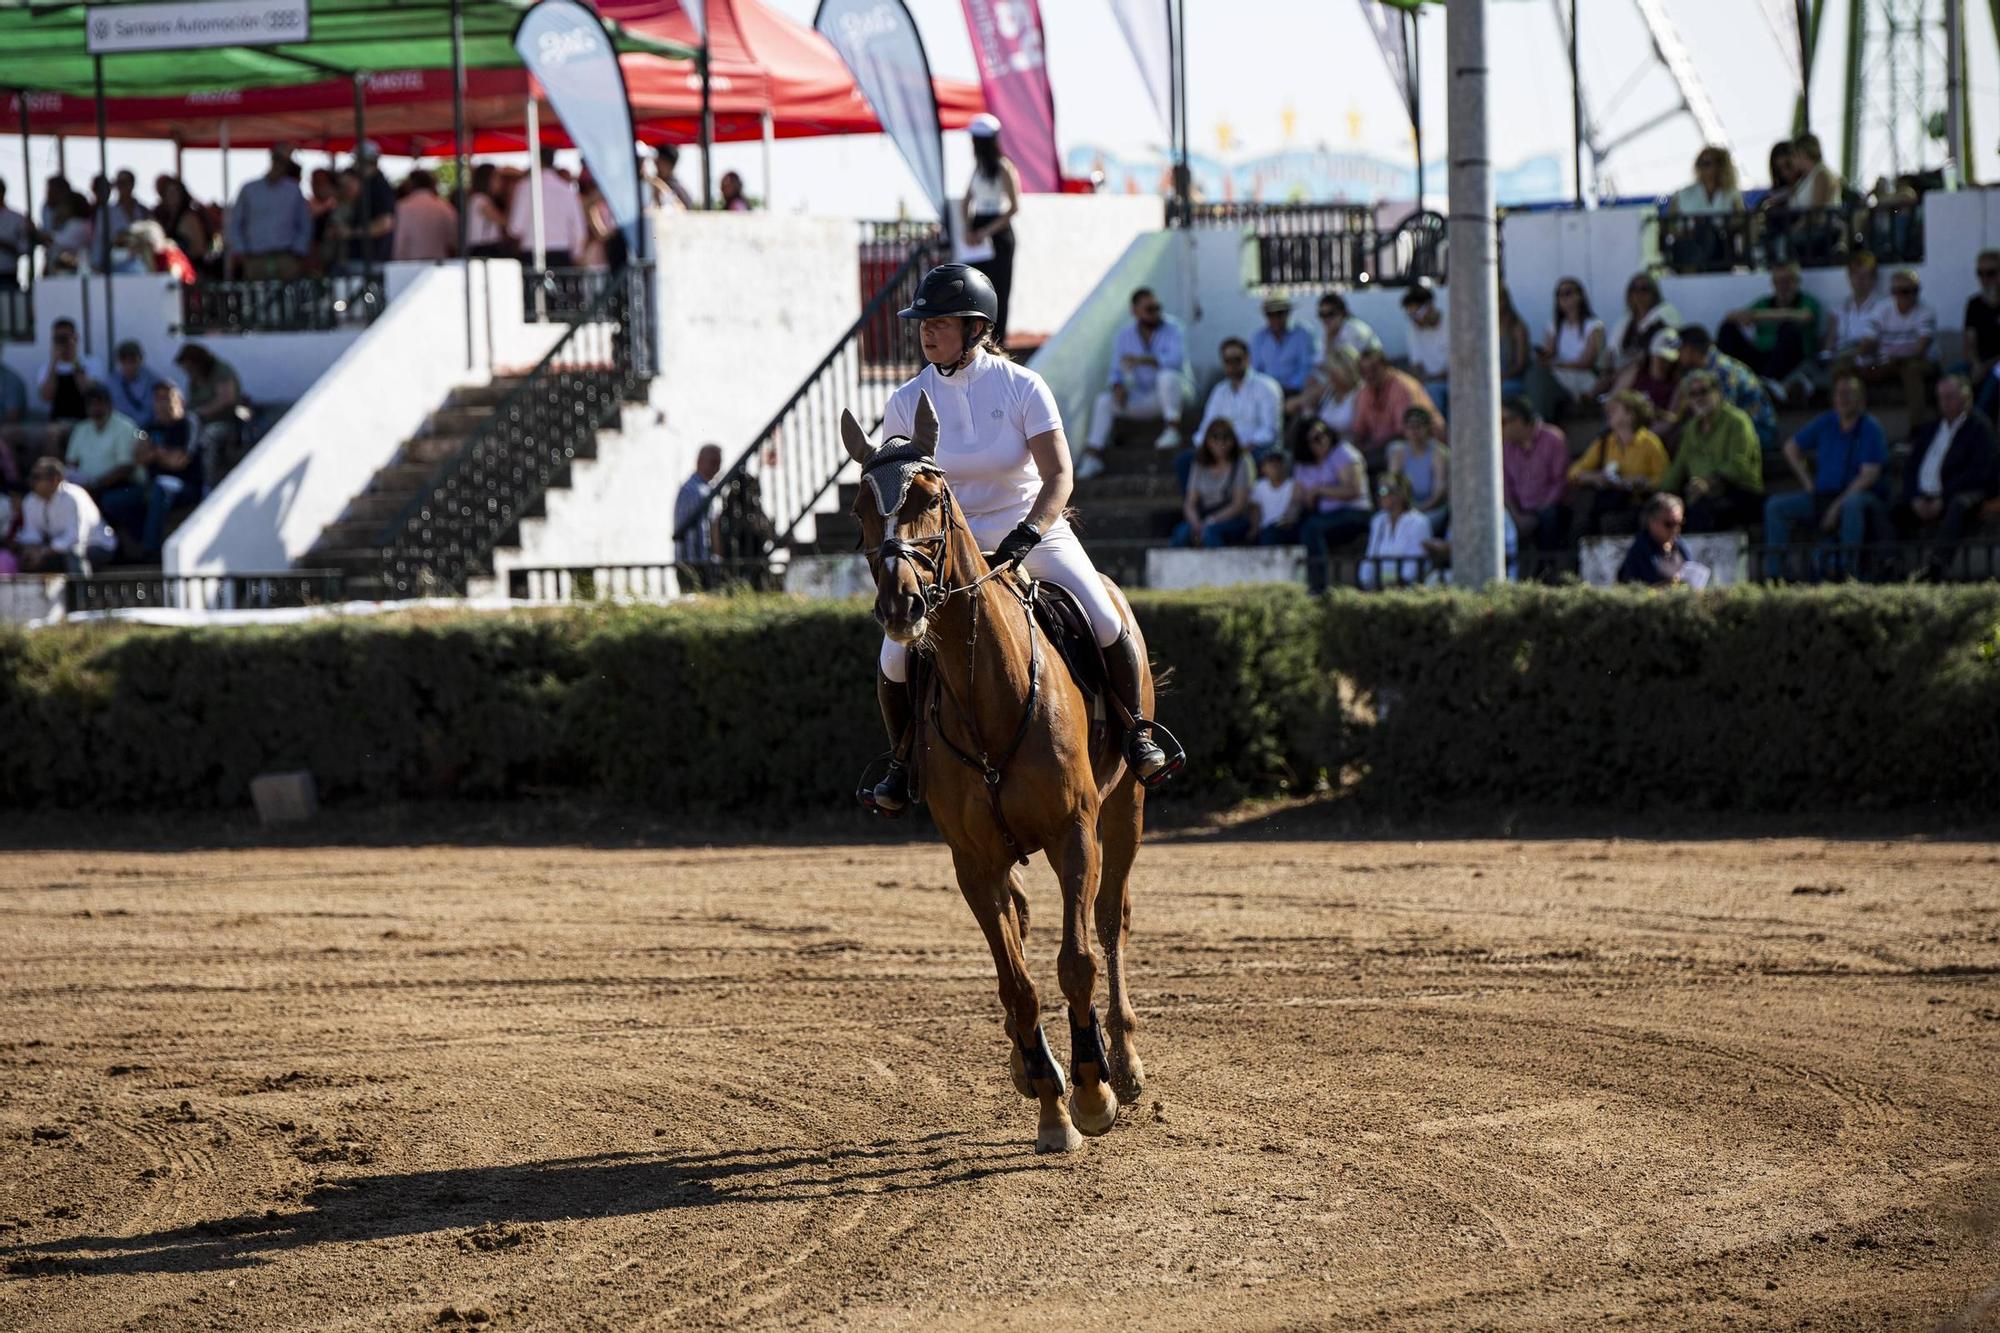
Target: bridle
{"points": [[931, 553]]}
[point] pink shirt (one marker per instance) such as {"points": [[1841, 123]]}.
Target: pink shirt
{"points": [[1535, 477], [1378, 415], [426, 227]]}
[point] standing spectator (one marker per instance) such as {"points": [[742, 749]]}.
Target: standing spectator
{"points": [[1900, 351], [695, 545], [17, 242], [1534, 473], [61, 529], [1619, 468], [668, 192], [563, 229], [1718, 470], [106, 222], [1383, 401], [1571, 350], [1332, 484], [1849, 452], [1517, 349], [1714, 189], [1953, 468], [372, 240], [125, 206], [1147, 383], [1215, 506], [991, 200], [1429, 343], [604, 244], [172, 458], [1646, 313], [270, 227], [132, 382], [322, 202], [181, 219], [1658, 557], [1249, 401], [1982, 336], [1423, 460], [1396, 537], [1275, 498], [215, 399], [730, 188], [66, 376], [1740, 385], [485, 224], [1777, 336], [1282, 350], [103, 458], [426, 226]]}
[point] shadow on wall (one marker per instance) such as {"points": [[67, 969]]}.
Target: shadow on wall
{"points": [[263, 512]]}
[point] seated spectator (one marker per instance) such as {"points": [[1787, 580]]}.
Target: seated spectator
{"points": [[270, 226], [1714, 189], [61, 531], [1332, 392], [1517, 350], [1982, 336], [1396, 537], [103, 458], [1900, 350], [1817, 185], [1953, 468], [1383, 402], [732, 199], [1571, 350], [1658, 557], [1849, 452], [1282, 350], [1340, 332], [216, 400], [1853, 329], [1646, 314], [426, 226], [1718, 470], [1777, 336], [146, 241], [1422, 459], [1659, 378], [14, 430], [1149, 379], [1216, 503], [1619, 469], [1534, 474], [1429, 343], [132, 382], [66, 229], [1740, 386], [65, 377], [1250, 401], [171, 455], [1339, 328], [1276, 502], [1333, 494]]}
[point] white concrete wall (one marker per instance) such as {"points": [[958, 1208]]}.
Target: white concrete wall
{"points": [[1077, 359], [355, 417], [1063, 245]]}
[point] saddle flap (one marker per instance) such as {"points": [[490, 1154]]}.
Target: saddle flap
{"points": [[1067, 626]]}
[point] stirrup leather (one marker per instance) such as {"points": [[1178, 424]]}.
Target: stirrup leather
{"points": [[1147, 734]]}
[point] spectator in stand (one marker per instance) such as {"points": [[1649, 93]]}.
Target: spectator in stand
{"points": [[1646, 313], [604, 244], [370, 231], [992, 198], [66, 376], [695, 545], [485, 224], [426, 226], [1215, 504], [1619, 469], [1718, 469], [668, 192], [125, 206], [1658, 556], [13, 425], [1740, 385], [215, 399], [322, 202], [1534, 473], [1396, 537], [1250, 401], [731, 198], [563, 229], [1422, 459], [1853, 330], [106, 222], [1817, 186], [1840, 490], [1784, 168], [1383, 401], [1429, 343], [61, 530], [1339, 328], [1517, 349], [1900, 351], [1714, 189], [270, 226], [181, 219], [147, 241], [1276, 502], [1572, 349], [17, 242], [67, 232], [132, 382], [1282, 350], [103, 458], [1659, 378], [1149, 380], [1953, 468], [172, 458], [1982, 336], [1332, 484], [1777, 336], [1330, 393]]}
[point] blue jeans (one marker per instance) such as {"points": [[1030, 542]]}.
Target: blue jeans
{"points": [[1322, 532], [1214, 533], [1781, 512], [1440, 392], [1278, 534], [124, 508], [163, 497]]}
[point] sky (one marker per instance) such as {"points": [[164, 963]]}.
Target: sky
{"points": [[1269, 74]]}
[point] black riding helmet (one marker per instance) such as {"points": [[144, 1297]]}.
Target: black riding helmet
{"points": [[954, 289]]}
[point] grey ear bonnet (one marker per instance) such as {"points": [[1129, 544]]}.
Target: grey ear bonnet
{"points": [[888, 471]]}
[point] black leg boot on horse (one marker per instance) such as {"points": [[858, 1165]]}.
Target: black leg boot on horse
{"points": [[1150, 748], [891, 796]]}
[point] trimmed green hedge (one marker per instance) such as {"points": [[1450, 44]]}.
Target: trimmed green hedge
{"points": [[763, 708]]}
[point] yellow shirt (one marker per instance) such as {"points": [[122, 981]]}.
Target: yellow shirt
{"points": [[1645, 459]]}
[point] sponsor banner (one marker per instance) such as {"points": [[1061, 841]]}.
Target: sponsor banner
{"points": [[1149, 32], [878, 40], [116, 29], [566, 47], [1014, 75], [1391, 35]]}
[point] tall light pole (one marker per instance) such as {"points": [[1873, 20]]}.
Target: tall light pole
{"points": [[1478, 552]]}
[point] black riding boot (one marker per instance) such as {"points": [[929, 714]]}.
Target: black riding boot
{"points": [[892, 794], [1142, 751]]}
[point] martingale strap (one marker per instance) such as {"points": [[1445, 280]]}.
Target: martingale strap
{"points": [[989, 769]]}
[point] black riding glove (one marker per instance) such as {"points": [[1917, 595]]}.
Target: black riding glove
{"points": [[1014, 547]]}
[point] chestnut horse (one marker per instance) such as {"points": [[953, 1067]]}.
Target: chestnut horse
{"points": [[1003, 752]]}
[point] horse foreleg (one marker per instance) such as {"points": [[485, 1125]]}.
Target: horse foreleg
{"points": [[1092, 1103], [1120, 827]]}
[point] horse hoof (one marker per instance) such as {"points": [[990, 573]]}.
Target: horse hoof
{"points": [[1095, 1110], [1129, 1079], [1058, 1139], [1017, 1069]]}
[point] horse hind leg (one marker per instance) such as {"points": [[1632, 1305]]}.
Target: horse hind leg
{"points": [[1017, 1064], [1120, 828]]}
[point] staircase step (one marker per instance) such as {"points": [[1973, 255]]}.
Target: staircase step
{"points": [[484, 395], [349, 534], [402, 479], [1138, 459], [458, 420], [1139, 518], [376, 507], [431, 450], [1160, 485]]}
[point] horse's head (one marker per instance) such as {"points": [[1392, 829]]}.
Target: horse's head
{"points": [[904, 508]]}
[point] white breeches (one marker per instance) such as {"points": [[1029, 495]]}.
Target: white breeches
{"points": [[1163, 404], [1059, 557]]}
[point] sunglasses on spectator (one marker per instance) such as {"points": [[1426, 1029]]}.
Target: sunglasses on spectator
{"points": [[1989, 272], [1233, 359], [1902, 291], [1149, 310]]}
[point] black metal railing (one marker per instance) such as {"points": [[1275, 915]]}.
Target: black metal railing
{"points": [[1329, 245], [795, 459], [17, 314], [1973, 560], [123, 590], [1372, 573], [562, 295], [449, 529], [1811, 238], [313, 304], [643, 582]]}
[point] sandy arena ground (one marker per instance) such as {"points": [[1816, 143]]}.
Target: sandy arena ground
{"points": [[1434, 1085]]}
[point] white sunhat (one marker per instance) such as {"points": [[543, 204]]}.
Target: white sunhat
{"points": [[985, 125]]}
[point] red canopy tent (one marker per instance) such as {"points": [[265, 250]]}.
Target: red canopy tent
{"points": [[760, 63]]}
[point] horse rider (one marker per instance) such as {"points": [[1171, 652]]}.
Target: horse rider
{"points": [[1002, 448]]}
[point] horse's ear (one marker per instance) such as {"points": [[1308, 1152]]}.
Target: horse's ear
{"points": [[924, 430], [855, 438]]}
